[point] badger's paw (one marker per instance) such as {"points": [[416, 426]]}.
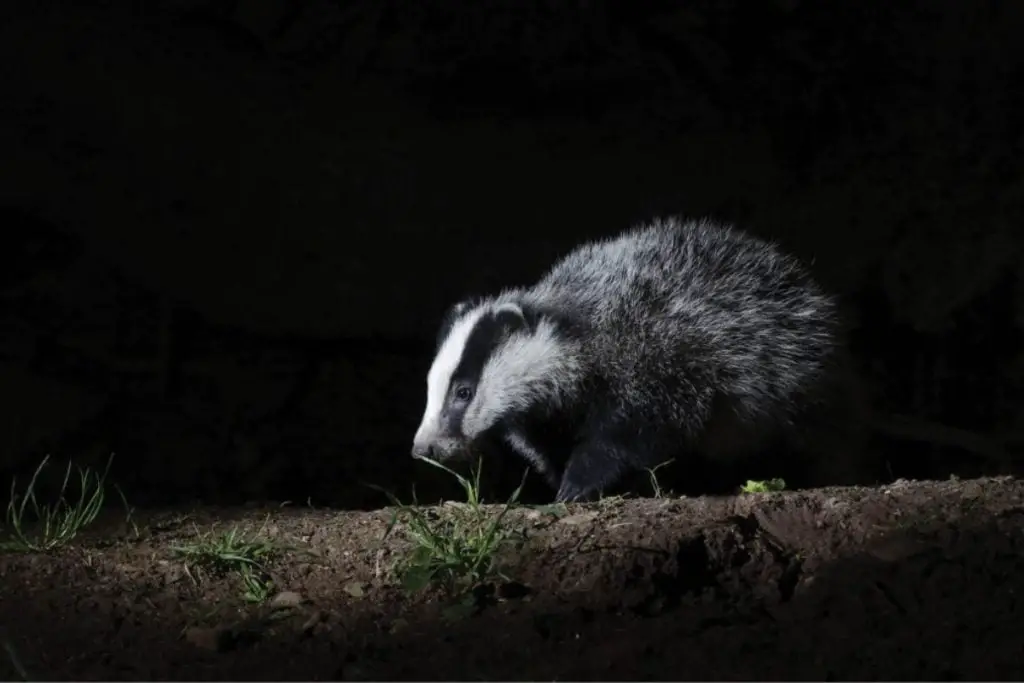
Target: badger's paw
{"points": [[593, 467], [572, 493]]}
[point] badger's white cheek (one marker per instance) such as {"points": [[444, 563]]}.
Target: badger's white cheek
{"points": [[474, 421]]}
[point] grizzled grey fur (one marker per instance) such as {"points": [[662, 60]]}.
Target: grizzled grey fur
{"points": [[675, 339]]}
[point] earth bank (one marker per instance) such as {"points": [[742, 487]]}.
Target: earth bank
{"points": [[913, 580]]}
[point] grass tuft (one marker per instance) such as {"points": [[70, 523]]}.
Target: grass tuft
{"points": [[768, 486], [56, 523], [453, 546], [230, 552], [652, 473]]}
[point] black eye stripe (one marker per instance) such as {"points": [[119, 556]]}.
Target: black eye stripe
{"points": [[489, 331], [485, 336]]}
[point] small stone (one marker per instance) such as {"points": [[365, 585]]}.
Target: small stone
{"points": [[286, 599], [313, 621], [355, 589], [972, 490], [581, 518]]}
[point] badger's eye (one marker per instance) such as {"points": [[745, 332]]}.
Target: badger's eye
{"points": [[463, 393]]}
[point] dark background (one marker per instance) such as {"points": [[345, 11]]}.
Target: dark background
{"points": [[229, 228]]}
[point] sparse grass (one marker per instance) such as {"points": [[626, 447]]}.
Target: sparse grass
{"points": [[454, 546], [55, 523], [767, 486], [653, 474], [231, 552]]}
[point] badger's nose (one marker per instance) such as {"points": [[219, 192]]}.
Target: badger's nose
{"points": [[420, 450]]}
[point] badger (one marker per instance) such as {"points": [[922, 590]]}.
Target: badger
{"points": [[677, 338]]}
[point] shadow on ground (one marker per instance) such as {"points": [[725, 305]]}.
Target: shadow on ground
{"points": [[908, 581]]}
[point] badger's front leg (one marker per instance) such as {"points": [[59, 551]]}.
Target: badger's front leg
{"points": [[596, 464], [517, 440]]}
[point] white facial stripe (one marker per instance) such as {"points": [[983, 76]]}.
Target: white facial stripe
{"points": [[525, 369], [440, 375]]}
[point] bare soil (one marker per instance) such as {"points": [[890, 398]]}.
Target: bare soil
{"points": [[915, 580]]}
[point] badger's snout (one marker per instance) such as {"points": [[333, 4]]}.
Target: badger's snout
{"points": [[436, 446], [423, 450], [424, 443], [439, 449]]}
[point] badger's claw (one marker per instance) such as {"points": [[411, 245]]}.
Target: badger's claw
{"points": [[568, 493]]}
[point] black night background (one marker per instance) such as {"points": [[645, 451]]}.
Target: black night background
{"points": [[229, 229]]}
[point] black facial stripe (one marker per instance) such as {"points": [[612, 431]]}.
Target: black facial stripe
{"points": [[488, 333]]}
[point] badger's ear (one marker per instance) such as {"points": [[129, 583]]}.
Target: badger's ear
{"points": [[459, 309], [511, 317], [510, 307]]}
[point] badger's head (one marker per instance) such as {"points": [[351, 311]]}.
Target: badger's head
{"points": [[494, 360]]}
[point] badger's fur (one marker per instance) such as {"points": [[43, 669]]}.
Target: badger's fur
{"points": [[673, 340]]}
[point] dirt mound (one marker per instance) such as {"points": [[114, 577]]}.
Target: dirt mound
{"points": [[908, 581]]}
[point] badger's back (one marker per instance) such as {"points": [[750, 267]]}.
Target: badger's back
{"points": [[677, 316]]}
